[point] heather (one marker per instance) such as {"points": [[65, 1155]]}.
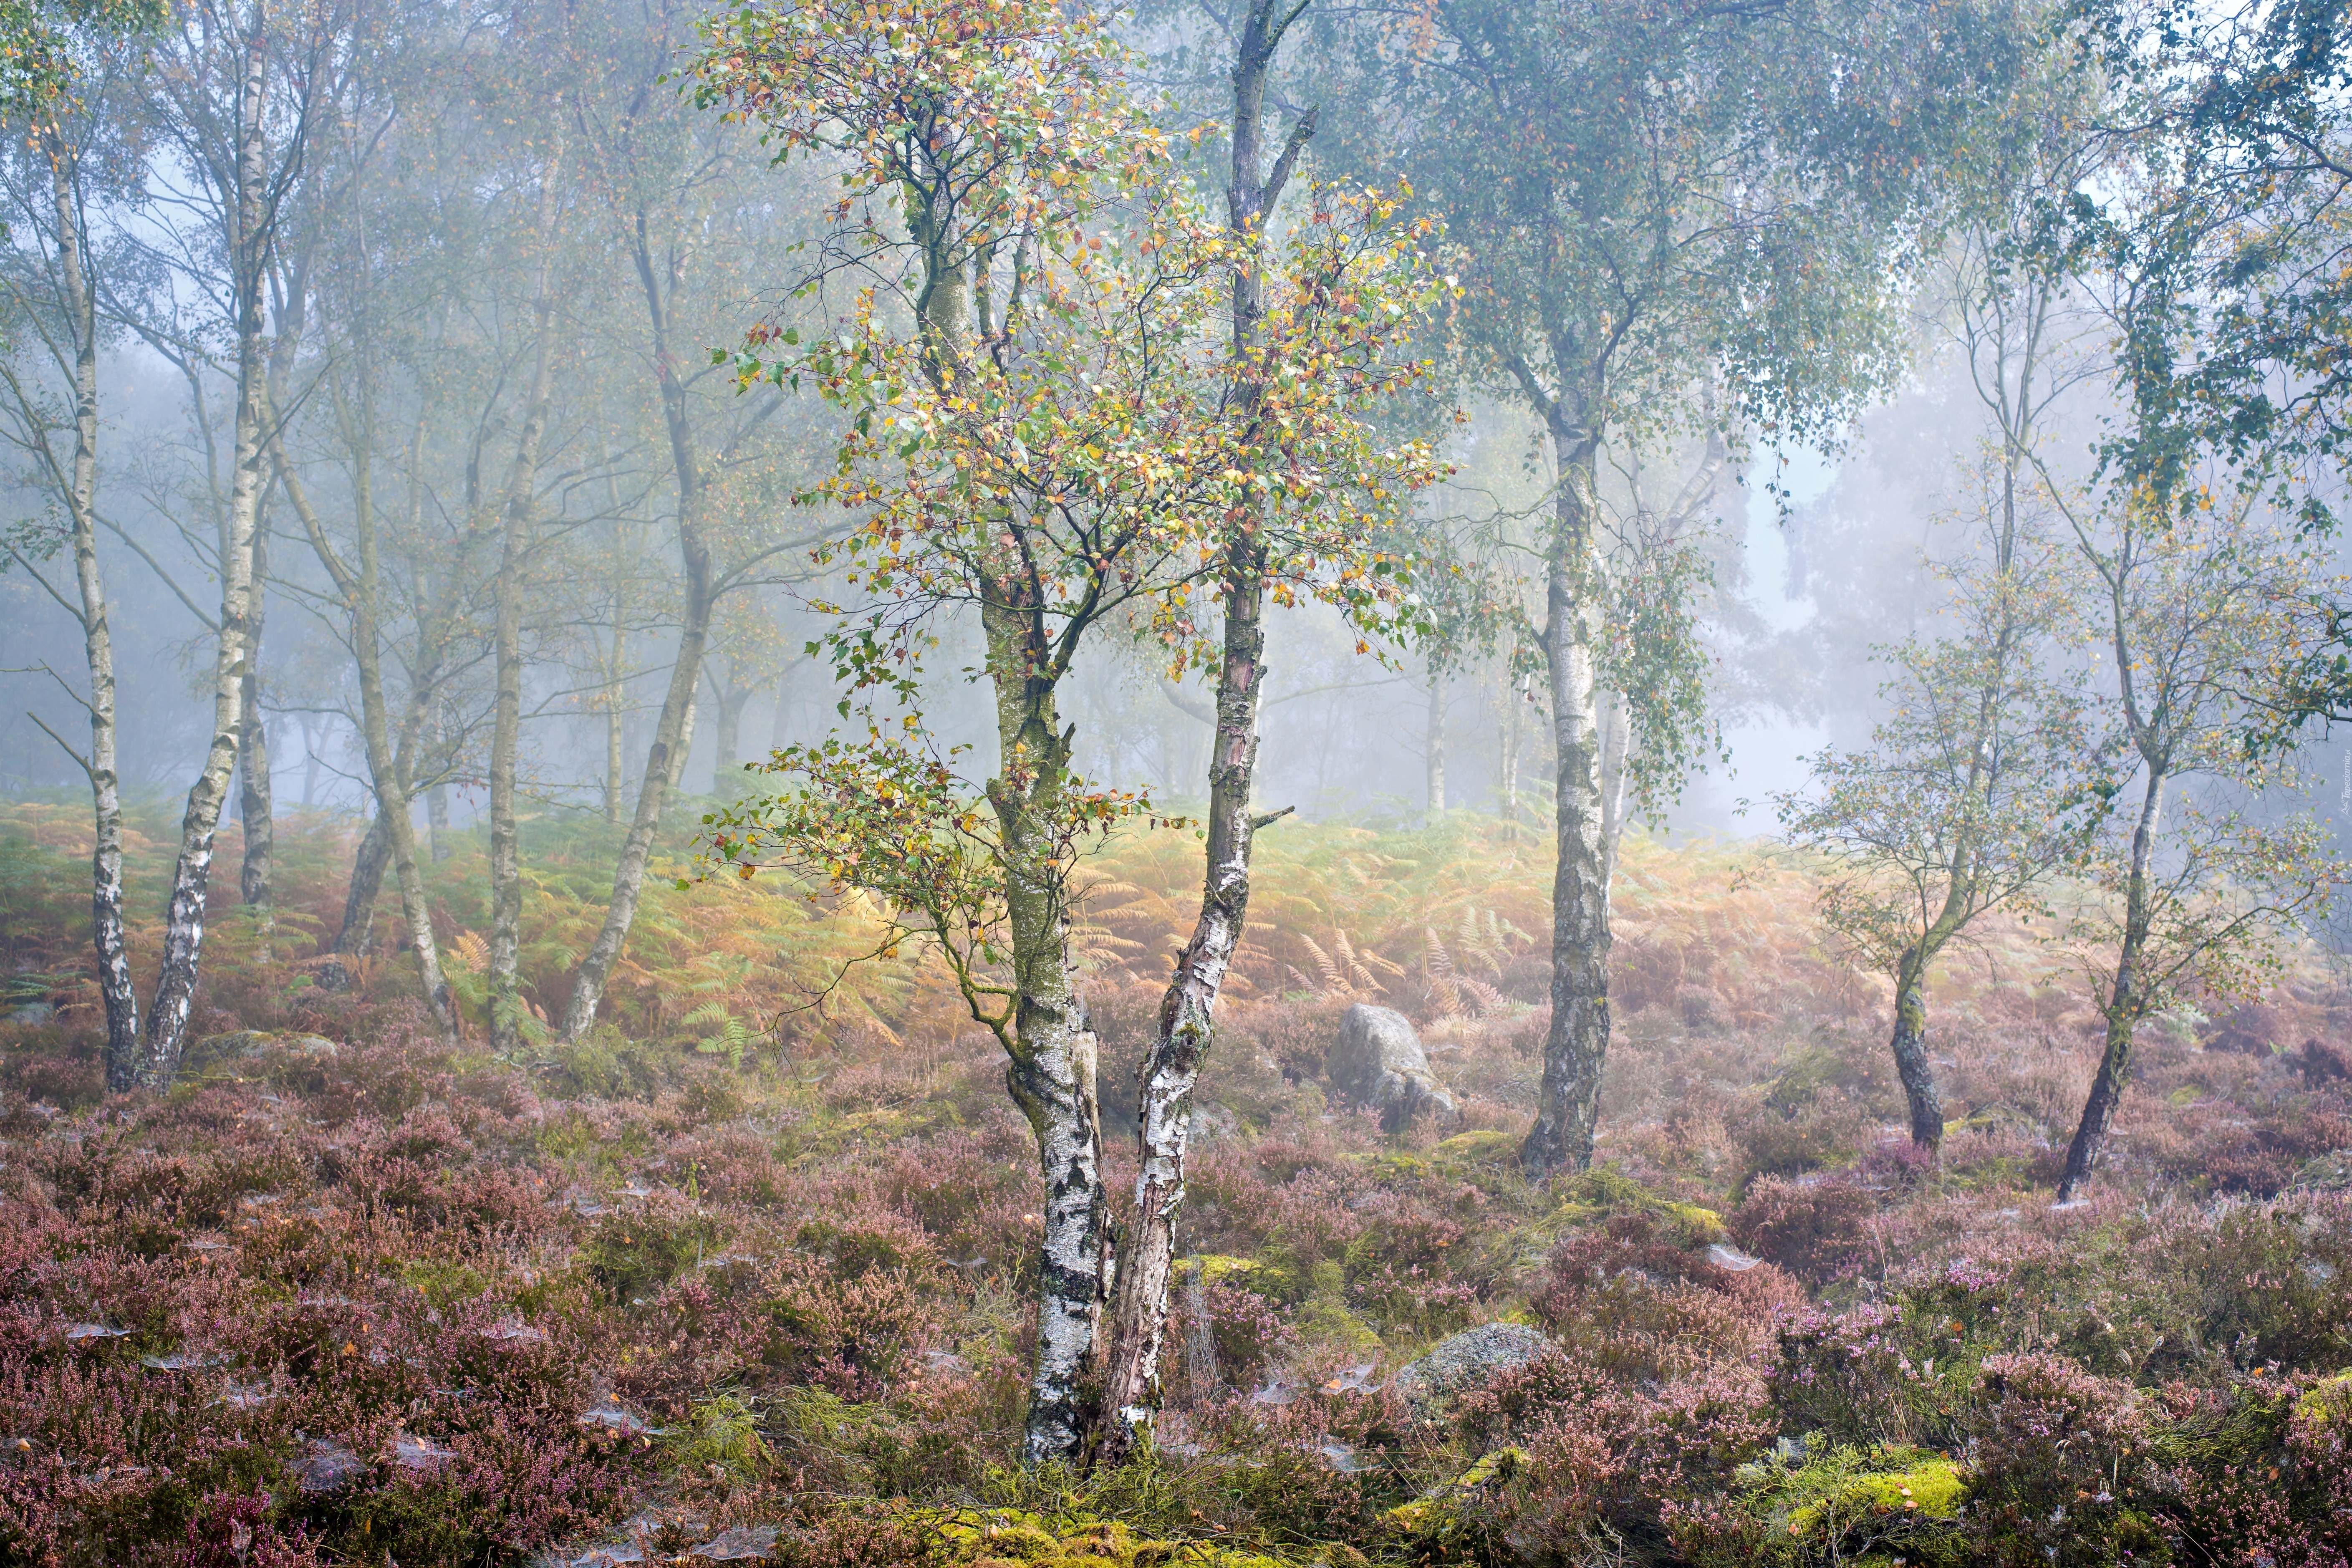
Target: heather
{"points": [[748, 1271]]}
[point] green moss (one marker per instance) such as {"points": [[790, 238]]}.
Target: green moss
{"points": [[1217, 1268], [444, 1283], [720, 1436], [2328, 1402], [988, 1537], [1324, 1321], [1489, 1148], [1604, 1190], [1904, 1500], [1931, 1490], [1437, 1513]]}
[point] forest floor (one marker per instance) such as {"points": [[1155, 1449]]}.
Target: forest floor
{"points": [[749, 1275]]}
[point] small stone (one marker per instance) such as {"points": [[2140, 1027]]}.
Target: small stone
{"points": [[1469, 1359]]}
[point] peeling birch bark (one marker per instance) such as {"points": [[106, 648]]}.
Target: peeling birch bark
{"points": [[1170, 1071], [108, 933], [183, 925], [1575, 1050], [1052, 1073]]}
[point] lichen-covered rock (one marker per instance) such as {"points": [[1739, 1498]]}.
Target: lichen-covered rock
{"points": [[1470, 1359], [1378, 1061]]}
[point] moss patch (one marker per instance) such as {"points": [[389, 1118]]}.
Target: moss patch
{"points": [[994, 1538], [1905, 1501]]}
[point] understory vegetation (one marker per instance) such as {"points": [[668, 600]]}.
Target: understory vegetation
{"points": [[746, 1273]]}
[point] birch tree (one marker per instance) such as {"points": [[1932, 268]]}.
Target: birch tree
{"points": [[2201, 888], [1314, 356], [1047, 446], [66, 168], [1971, 796], [235, 97], [1654, 202]]}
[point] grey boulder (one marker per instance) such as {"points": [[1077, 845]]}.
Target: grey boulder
{"points": [[1378, 1061], [1468, 1361]]}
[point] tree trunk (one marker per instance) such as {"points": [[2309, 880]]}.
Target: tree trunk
{"points": [[1171, 1071], [184, 927], [679, 753], [367, 881], [115, 987], [363, 592], [675, 730], [1578, 1043], [1910, 1047], [728, 735], [437, 822], [506, 726], [1507, 773], [1433, 741], [1616, 742], [2126, 1003], [253, 806], [1051, 1076]]}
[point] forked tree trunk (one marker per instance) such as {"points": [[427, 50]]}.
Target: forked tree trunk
{"points": [[115, 987], [1577, 1047], [506, 725], [184, 924], [362, 590], [1052, 1074], [2126, 1004], [674, 732]]}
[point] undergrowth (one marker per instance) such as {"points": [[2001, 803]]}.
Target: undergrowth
{"points": [[751, 1268]]}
